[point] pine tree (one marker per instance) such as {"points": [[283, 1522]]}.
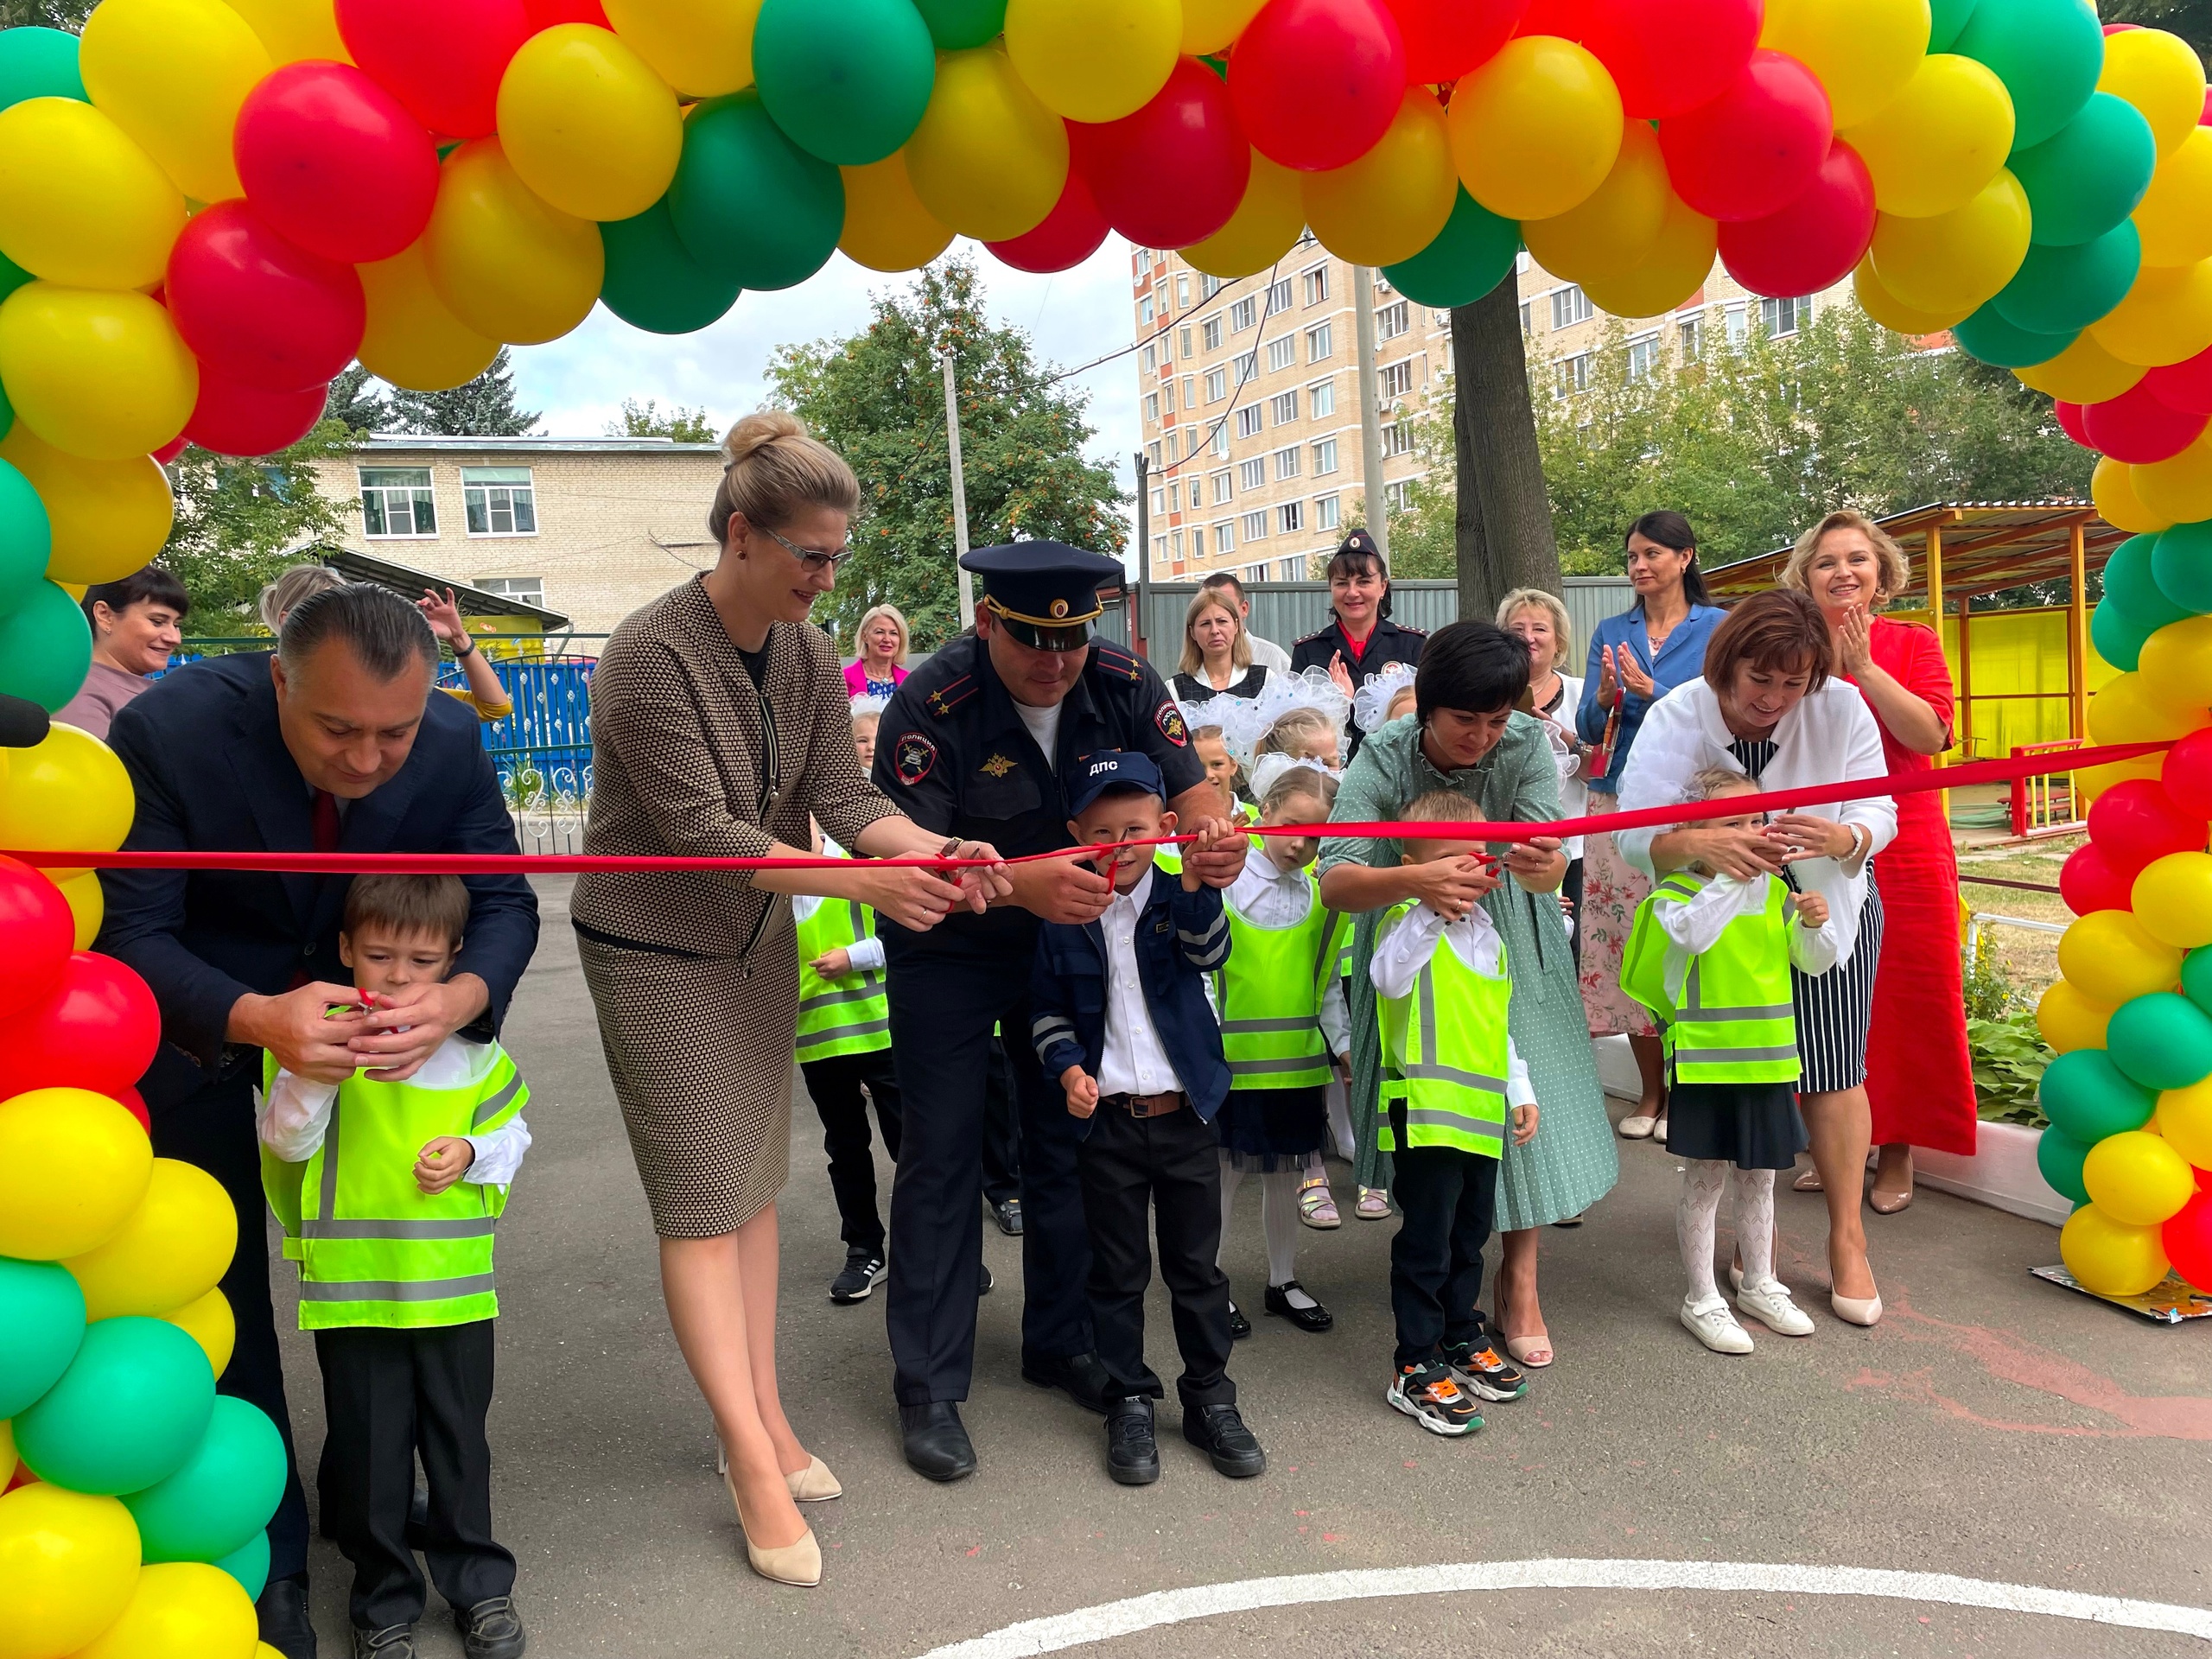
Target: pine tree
{"points": [[646, 420], [485, 408], [356, 403]]}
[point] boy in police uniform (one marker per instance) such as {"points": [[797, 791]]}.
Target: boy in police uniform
{"points": [[388, 1193]]}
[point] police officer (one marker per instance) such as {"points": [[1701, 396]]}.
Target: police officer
{"points": [[975, 744], [1360, 637]]}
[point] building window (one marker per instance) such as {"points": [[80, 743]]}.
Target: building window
{"points": [[1159, 499], [1397, 379], [1282, 354], [1243, 313], [1570, 305], [1223, 487], [1210, 331], [529, 590], [1282, 407], [1220, 445], [1326, 512], [1391, 320], [1152, 449], [1182, 289], [1736, 324], [1287, 462], [1254, 525], [1159, 551], [1247, 366], [1150, 358], [1216, 384], [1290, 569], [1321, 399], [1184, 334], [1643, 356], [1324, 457], [1144, 310], [1198, 488], [1197, 541], [1253, 474], [1279, 295], [1291, 516], [1397, 438], [1397, 498], [1167, 392], [1689, 335], [396, 501], [1209, 286], [1152, 408], [1172, 437], [1247, 421], [1317, 285], [1320, 342], [1190, 391], [1573, 373], [1225, 537], [1177, 537], [1785, 316]]}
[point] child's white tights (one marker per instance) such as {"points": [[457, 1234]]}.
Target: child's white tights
{"points": [[1278, 1221], [1698, 1213]]}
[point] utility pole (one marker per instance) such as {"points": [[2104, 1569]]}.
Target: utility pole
{"points": [[1144, 554], [959, 494], [1371, 413]]}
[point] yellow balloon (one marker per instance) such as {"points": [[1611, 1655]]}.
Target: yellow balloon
{"points": [[1864, 51], [1535, 130], [1209, 25], [2093, 781], [2166, 317], [586, 124], [87, 905], [74, 1164], [2185, 1120], [987, 159], [1094, 59], [181, 1609], [65, 792], [2137, 1179], [1390, 203], [1674, 268], [2111, 959], [414, 340], [293, 31], [2174, 219], [2162, 76], [2083, 373], [168, 1252], [1961, 258], [2177, 489], [98, 374], [68, 1563], [701, 47], [1266, 226], [1893, 314], [2177, 660], [2172, 898], [1935, 145], [1613, 227], [887, 227], [2069, 1019], [210, 1323], [2130, 709], [79, 203], [110, 518], [507, 263], [2109, 1256], [2112, 486], [172, 73]]}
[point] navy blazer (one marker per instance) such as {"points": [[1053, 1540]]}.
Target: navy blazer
{"points": [[1180, 939], [212, 774]]}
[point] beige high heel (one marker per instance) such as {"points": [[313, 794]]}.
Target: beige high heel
{"points": [[814, 1484], [1857, 1309], [798, 1563]]}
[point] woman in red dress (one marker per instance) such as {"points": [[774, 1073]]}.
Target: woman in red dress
{"points": [[1919, 1076]]}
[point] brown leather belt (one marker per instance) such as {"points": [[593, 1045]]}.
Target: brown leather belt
{"points": [[1145, 1105]]}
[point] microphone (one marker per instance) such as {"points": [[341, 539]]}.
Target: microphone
{"points": [[22, 723]]}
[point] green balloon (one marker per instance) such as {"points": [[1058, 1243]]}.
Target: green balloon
{"points": [[1988, 334], [248, 1564], [652, 282], [26, 535], [2181, 568], [2131, 583], [127, 1412], [2059, 1156], [2088, 175], [2059, 289], [45, 648], [2048, 52], [955, 25], [1945, 19], [750, 204], [2089, 1097], [43, 1313], [2118, 639], [1471, 255], [2162, 1040], [847, 81], [221, 1496], [39, 63], [2196, 977], [12, 277]]}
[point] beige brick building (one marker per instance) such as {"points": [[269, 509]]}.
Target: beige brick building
{"points": [[591, 527]]}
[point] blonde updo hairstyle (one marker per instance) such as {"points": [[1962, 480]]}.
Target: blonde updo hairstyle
{"points": [[772, 472], [891, 614]]}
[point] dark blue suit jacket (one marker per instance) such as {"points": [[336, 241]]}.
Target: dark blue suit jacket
{"points": [[212, 774]]}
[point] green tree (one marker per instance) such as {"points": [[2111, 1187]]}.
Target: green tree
{"points": [[646, 420], [68, 14], [238, 522], [2190, 19], [878, 398], [485, 408], [356, 403]]}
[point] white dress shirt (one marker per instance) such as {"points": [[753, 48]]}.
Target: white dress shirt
{"points": [[292, 1115], [1695, 926], [1268, 654], [867, 953], [1404, 949], [1134, 1062], [1270, 897]]}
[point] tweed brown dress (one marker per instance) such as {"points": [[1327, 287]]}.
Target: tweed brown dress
{"points": [[696, 976]]}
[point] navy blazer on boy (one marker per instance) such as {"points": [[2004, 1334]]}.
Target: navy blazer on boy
{"points": [[1180, 939]]}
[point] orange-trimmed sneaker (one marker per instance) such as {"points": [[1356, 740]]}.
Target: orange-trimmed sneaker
{"points": [[1478, 1369], [1428, 1395]]}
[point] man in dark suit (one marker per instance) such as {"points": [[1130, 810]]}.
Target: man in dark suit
{"points": [[335, 743]]}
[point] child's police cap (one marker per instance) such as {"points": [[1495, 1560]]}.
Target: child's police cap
{"points": [[1113, 769], [1044, 593]]}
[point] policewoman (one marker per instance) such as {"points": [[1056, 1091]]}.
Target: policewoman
{"points": [[1360, 638], [978, 745]]}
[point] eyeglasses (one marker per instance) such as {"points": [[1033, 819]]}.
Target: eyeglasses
{"points": [[815, 562]]}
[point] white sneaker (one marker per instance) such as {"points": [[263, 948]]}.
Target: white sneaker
{"points": [[1712, 1324], [1637, 1126], [1770, 1306]]}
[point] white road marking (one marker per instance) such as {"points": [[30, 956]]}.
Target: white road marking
{"points": [[1112, 1619]]}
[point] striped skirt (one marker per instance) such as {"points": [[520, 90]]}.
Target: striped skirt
{"points": [[1834, 1009]]}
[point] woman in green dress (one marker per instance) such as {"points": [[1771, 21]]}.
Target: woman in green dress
{"points": [[1464, 737]]}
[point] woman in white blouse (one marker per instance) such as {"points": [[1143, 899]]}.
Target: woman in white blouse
{"points": [[1767, 707]]}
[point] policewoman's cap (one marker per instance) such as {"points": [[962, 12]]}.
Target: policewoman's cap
{"points": [[1046, 593], [1359, 542], [1113, 769]]}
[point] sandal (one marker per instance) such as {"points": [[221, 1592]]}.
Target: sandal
{"points": [[1533, 1351], [1373, 1203], [1317, 1205]]}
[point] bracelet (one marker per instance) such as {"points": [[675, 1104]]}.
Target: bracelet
{"points": [[459, 654]]}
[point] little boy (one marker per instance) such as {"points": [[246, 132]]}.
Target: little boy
{"points": [[1120, 1018], [1452, 1082], [388, 1191]]}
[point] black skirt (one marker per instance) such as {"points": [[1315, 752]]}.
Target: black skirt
{"points": [[1750, 1125], [1267, 1129]]}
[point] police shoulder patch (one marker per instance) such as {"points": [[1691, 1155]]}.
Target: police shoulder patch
{"points": [[913, 757], [1169, 719], [1321, 632], [1113, 660]]}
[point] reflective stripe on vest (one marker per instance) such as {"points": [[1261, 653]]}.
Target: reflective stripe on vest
{"points": [[1445, 1055], [851, 1015], [1271, 995], [1736, 1023]]}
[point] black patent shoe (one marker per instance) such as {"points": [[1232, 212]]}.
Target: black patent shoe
{"points": [[281, 1613], [1132, 1452], [492, 1629], [1239, 1326], [1219, 1432], [1316, 1318], [935, 1440], [1080, 1376], [393, 1641]]}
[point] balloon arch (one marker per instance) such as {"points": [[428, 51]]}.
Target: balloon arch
{"points": [[208, 211]]}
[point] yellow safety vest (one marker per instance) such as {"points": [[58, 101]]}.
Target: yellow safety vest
{"points": [[851, 1015], [1734, 1021], [1270, 992], [1445, 1052]]}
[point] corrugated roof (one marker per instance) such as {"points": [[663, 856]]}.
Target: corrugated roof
{"points": [[399, 441], [1987, 546], [408, 582]]}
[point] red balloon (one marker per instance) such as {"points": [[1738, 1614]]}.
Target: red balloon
{"points": [[2137, 821], [1188, 132], [2186, 385], [1566, 18], [2137, 426], [96, 1029], [1445, 39], [335, 163], [2069, 421], [169, 451], [1669, 56], [544, 14], [2121, 28], [259, 309], [2186, 1236], [2186, 773], [2090, 880], [442, 59], [1070, 233], [1316, 82], [135, 1104], [1814, 241], [37, 933], [1755, 147], [235, 420]]}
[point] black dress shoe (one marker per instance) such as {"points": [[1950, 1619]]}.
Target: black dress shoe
{"points": [[1316, 1318], [1219, 1432], [1080, 1376], [936, 1442], [282, 1615], [1239, 1326], [492, 1629], [984, 1283], [1007, 1213], [393, 1641], [1132, 1453]]}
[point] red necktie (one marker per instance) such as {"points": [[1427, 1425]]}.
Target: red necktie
{"points": [[326, 821]]}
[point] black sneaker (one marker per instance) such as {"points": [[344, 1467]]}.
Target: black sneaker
{"points": [[1132, 1452], [1478, 1369], [1219, 1432], [492, 1629], [1428, 1395], [1007, 1213], [1239, 1326], [863, 1272], [393, 1641]]}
